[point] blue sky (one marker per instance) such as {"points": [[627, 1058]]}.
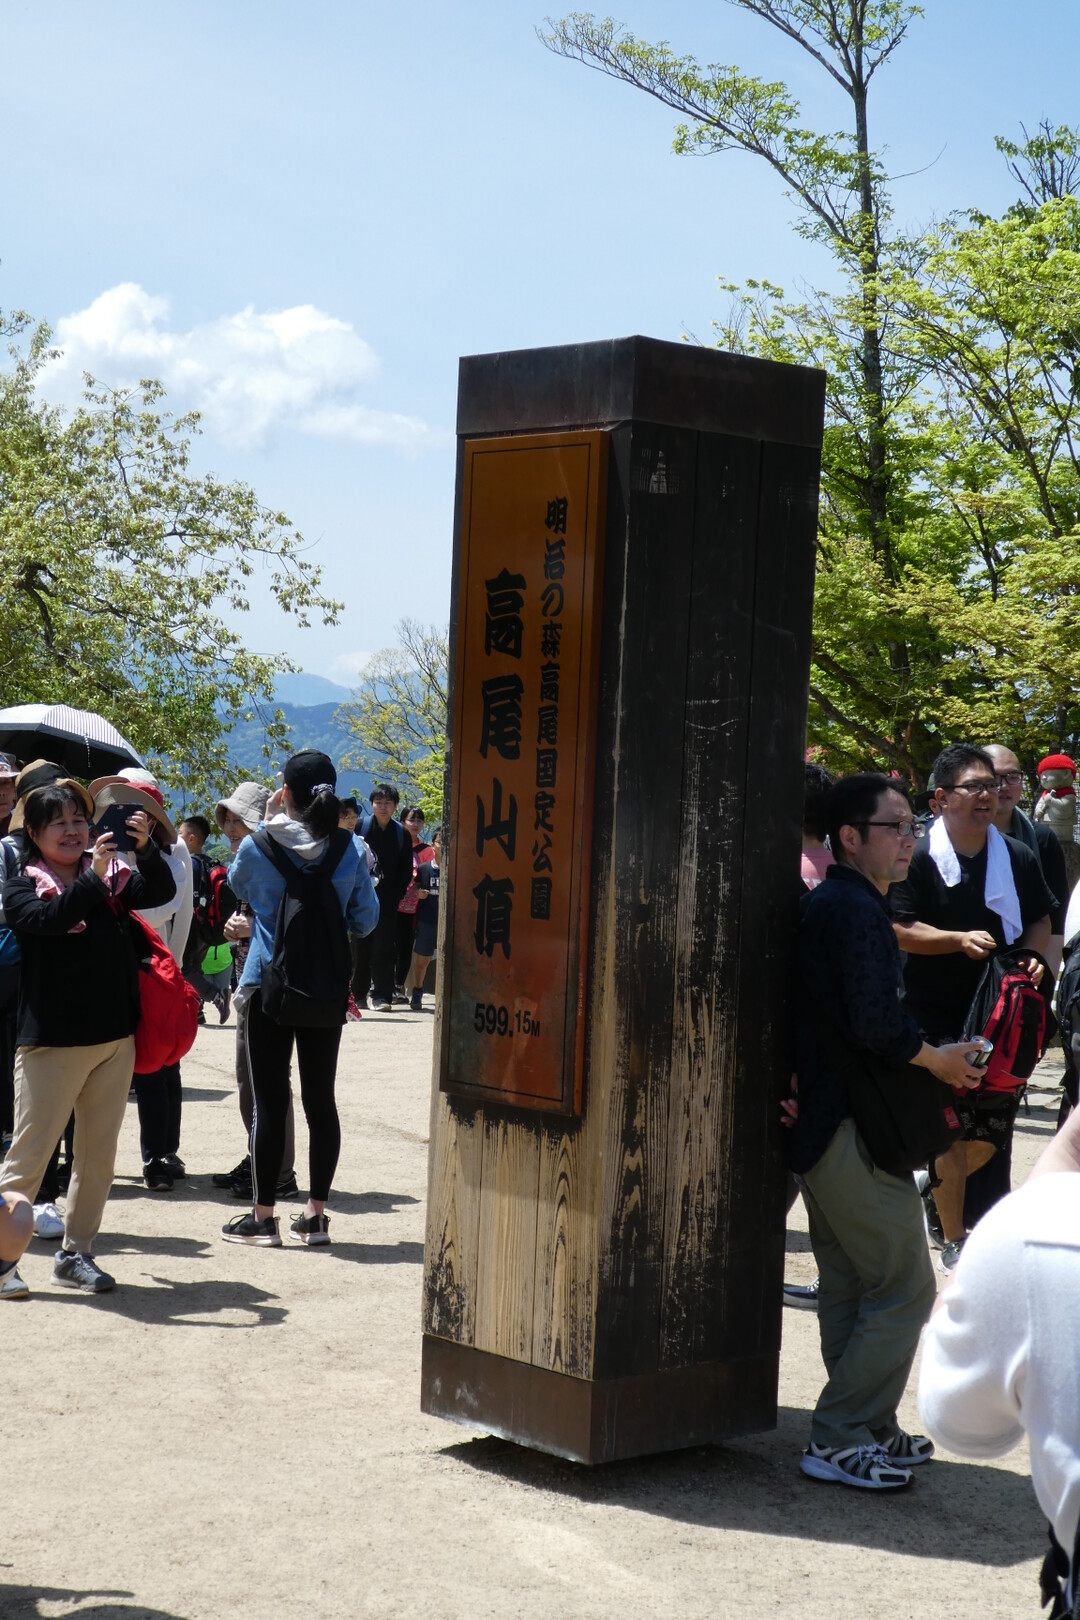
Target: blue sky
{"points": [[300, 217]]}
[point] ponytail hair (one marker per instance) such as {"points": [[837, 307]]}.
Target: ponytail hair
{"points": [[322, 814]]}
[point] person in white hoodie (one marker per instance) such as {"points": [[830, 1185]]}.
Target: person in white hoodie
{"points": [[158, 1095]]}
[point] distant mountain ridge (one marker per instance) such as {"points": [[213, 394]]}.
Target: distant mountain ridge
{"points": [[309, 703], [308, 691]]}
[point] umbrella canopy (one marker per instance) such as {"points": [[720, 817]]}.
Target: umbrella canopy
{"points": [[82, 742]]}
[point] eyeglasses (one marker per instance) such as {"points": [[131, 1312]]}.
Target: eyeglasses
{"points": [[902, 829], [1010, 778], [973, 789]]}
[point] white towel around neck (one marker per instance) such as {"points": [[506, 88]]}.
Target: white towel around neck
{"points": [[999, 893]]}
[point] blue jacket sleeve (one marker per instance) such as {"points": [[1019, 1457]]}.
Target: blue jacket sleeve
{"points": [[362, 912], [243, 869]]}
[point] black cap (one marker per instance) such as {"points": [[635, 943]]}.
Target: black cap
{"points": [[308, 774]]}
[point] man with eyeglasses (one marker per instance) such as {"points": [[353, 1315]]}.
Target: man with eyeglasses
{"points": [[969, 891], [877, 1285]]}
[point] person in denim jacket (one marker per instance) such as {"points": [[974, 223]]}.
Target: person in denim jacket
{"points": [[302, 817]]}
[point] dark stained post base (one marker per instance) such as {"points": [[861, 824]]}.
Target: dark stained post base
{"points": [[608, 1283], [598, 1420]]}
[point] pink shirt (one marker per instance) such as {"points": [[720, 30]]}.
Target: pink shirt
{"points": [[815, 863]]}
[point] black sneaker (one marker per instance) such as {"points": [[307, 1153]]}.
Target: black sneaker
{"points": [[931, 1218], [381, 1006], [804, 1296], [239, 1172], [157, 1177], [416, 1001], [79, 1271], [258, 1234], [175, 1166], [310, 1229], [223, 1001], [286, 1187], [400, 998]]}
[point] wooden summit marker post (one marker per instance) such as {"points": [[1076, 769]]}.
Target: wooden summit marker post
{"points": [[630, 643]]}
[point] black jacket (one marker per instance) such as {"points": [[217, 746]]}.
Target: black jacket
{"points": [[392, 847], [81, 989], [849, 1003]]}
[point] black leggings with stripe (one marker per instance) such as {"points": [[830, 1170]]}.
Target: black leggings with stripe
{"points": [[270, 1049]]}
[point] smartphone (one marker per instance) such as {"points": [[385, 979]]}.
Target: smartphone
{"points": [[114, 820]]}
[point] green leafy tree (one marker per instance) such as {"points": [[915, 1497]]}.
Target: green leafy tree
{"points": [[941, 611], [398, 715], [118, 564]]}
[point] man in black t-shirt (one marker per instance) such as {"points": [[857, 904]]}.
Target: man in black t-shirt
{"points": [[949, 917]]}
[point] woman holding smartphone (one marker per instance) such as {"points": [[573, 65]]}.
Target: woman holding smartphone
{"points": [[78, 1008]]}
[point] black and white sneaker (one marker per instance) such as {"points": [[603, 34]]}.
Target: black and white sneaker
{"points": [[175, 1166], [73, 1270], [310, 1229], [157, 1177], [870, 1468], [257, 1234], [804, 1296], [239, 1172], [910, 1449]]}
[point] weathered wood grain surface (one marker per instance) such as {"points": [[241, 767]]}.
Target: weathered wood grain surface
{"points": [[647, 1236]]}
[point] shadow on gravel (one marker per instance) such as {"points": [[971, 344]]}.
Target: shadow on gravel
{"points": [[375, 1254], [797, 1243], [177, 1248], [184, 1304], [194, 1094], [368, 1203], [955, 1511], [24, 1603]]}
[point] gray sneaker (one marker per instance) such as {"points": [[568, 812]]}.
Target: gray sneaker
{"points": [[12, 1285], [79, 1271], [950, 1254]]}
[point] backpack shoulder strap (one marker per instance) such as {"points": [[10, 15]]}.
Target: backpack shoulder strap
{"points": [[275, 855], [337, 844]]}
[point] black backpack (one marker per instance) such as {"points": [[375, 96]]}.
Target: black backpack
{"points": [[212, 902], [305, 984], [1068, 1012]]}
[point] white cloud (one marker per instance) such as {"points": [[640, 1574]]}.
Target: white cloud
{"points": [[251, 375], [346, 667]]}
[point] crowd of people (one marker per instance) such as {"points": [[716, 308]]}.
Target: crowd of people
{"points": [[905, 907], [317, 914], [322, 912]]}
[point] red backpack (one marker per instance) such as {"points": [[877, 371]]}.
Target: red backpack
{"points": [[1014, 1015], [168, 1005]]}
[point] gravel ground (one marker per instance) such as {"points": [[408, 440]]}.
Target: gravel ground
{"points": [[235, 1434]]}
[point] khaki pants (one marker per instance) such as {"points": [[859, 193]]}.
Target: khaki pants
{"points": [[877, 1288], [50, 1081]]}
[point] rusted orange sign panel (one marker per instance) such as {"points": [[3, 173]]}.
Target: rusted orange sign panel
{"points": [[528, 635]]}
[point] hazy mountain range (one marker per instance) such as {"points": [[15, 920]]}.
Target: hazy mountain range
{"points": [[308, 703]]}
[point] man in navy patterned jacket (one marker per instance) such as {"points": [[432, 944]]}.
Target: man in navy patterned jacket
{"points": [[866, 1229]]}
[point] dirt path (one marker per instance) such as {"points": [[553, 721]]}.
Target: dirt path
{"points": [[235, 1433]]}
